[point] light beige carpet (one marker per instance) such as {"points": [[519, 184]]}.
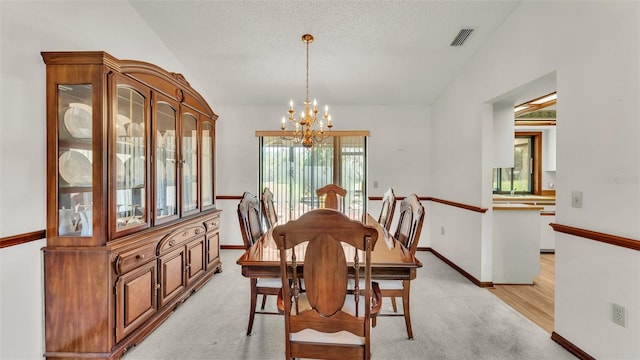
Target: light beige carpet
{"points": [[452, 319]]}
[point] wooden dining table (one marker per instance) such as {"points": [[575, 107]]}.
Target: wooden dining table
{"points": [[390, 260]]}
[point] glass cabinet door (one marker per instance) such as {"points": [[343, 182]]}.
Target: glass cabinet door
{"points": [[130, 158], [207, 164], [166, 187], [189, 163], [75, 159]]}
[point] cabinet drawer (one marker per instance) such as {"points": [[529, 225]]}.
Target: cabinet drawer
{"points": [[130, 260], [212, 224], [179, 237]]}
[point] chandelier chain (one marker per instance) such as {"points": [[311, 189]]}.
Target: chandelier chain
{"points": [[307, 97]]}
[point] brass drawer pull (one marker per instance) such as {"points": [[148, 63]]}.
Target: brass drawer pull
{"points": [[157, 286], [139, 257], [172, 242]]}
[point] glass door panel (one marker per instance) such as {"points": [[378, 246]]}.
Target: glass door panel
{"points": [[207, 164], [75, 159], [165, 161], [130, 159], [352, 173], [293, 173], [189, 163]]}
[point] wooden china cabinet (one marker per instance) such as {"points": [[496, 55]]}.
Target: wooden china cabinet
{"points": [[132, 226]]}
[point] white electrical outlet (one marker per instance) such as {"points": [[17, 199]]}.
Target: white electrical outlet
{"points": [[576, 199], [618, 314]]}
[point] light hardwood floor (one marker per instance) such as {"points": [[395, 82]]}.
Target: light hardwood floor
{"points": [[533, 301]]}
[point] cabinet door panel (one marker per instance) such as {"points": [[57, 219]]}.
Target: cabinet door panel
{"points": [[213, 247], [130, 160], [208, 146], [75, 158], [135, 299], [195, 253], [166, 157], [190, 163], [172, 275]]}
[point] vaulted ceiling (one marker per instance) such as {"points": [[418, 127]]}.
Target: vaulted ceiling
{"points": [[364, 53]]}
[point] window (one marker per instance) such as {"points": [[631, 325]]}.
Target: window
{"points": [[524, 176], [293, 173]]}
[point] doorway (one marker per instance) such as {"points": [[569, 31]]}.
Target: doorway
{"points": [[532, 111]]}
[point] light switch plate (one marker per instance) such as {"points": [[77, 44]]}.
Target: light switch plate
{"points": [[576, 199]]}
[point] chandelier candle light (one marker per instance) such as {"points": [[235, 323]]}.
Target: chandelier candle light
{"points": [[305, 133]]}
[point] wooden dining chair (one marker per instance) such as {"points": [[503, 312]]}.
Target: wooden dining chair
{"points": [[388, 208], [268, 208], [407, 233], [251, 229], [327, 320], [332, 196]]}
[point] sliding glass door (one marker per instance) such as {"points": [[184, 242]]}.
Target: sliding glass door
{"points": [[293, 173]]}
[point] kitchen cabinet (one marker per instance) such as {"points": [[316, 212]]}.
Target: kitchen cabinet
{"points": [[549, 153], [132, 226]]}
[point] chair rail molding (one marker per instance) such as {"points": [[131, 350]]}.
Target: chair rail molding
{"points": [[441, 201], [22, 238], [628, 243]]}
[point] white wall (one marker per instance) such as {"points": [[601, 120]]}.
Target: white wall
{"points": [[26, 29], [594, 48], [398, 148]]}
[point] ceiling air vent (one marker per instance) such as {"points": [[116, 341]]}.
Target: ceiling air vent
{"points": [[462, 36]]}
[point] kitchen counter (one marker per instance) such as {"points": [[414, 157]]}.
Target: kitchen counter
{"points": [[517, 206], [524, 199]]}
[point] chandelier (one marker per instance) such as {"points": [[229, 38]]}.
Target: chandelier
{"points": [[305, 131]]}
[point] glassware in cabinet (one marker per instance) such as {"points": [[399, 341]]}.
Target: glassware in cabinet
{"points": [[75, 159], [130, 158]]}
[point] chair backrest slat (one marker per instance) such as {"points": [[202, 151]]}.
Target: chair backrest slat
{"points": [[268, 208], [410, 222], [249, 219], [333, 196], [388, 209]]}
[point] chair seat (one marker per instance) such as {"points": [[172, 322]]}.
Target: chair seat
{"points": [[314, 336], [269, 283]]}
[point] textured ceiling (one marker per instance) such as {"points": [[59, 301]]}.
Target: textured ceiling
{"points": [[364, 53]]}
